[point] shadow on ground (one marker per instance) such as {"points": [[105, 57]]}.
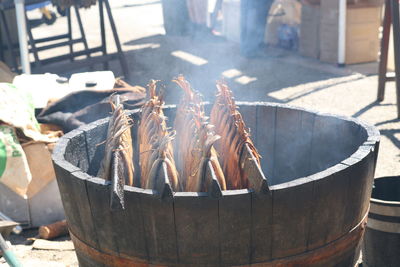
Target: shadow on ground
{"points": [[203, 60], [388, 128]]}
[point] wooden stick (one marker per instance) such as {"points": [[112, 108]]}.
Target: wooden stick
{"points": [[257, 180], [53, 230], [117, 201], [213, 186]]}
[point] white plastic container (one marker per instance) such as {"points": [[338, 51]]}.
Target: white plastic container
{"points": [[45, 87]]}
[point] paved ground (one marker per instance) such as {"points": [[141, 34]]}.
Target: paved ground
{"points": [[279, 76]]}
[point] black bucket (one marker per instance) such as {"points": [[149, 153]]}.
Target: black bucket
{"points": [[382, 237]]}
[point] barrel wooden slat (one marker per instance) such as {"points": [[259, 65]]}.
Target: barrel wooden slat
{"points": [[197, 229], [76, 152], [357, 203], [88, 230], [328, 206], [367, 182], [98, 191], [287, 129], [295, 128], [353, 199], [235, 227], [257, 180], [261, 227], [327, 152], [78, 215], [211, 182], [66, 193], [129, 227], [265, 139], [159, 228], [78, 186], [306, 135], [96, 134], [249, 114], [77, 211], [80, 195], [291, 217]]}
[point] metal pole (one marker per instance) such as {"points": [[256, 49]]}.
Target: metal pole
{"points": [[342, 33], [9, 255], [23, 42], [396, 39], [383, 58]]}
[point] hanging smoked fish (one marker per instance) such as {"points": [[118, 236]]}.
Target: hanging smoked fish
{"points": [[155, 142], [230, 126], [119, 140], [117, 164], [194, 144]]}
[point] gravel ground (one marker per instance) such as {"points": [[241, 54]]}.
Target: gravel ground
{"points": [[277, 76]]}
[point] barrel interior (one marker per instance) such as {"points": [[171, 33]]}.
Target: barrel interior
{"points": [[296, 143], [387, 189], [293, 143]]}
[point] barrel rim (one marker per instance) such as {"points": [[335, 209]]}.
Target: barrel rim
{"points": [[382, 202], [367, 147], [385, 202]]}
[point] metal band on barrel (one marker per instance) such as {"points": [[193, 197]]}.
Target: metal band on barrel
{"points": [[384, 217], [107, 259], [322, 254], [387, 210]]}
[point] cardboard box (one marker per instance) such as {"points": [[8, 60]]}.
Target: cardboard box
{"points": [[309, 30], [28, 188], [6, 75], [42, 203], [362, 32]]}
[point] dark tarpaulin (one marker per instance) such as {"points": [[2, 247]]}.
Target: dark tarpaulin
{"points": [[83, 107]]}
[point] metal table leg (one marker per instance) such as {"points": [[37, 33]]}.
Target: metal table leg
{"points": [[103, 33], [121, 56], [384, 51], [71, 45], [32, 43], [396, 39], [83, 35]]}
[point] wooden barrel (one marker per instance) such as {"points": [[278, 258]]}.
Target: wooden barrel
{"points": [[320, 171], [381, 246]]}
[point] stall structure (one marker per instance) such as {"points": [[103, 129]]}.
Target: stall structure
{"points": [[28, 44], [391, 17], [341, 32], [334, 31]]}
